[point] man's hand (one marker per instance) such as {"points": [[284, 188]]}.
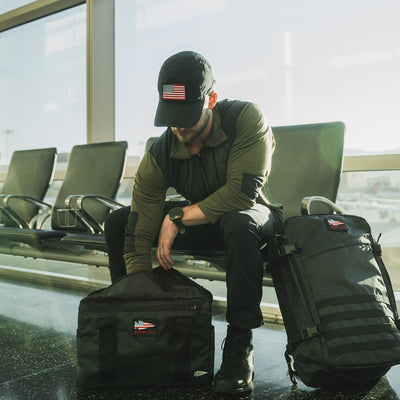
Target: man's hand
{"points": [[192, 215], [166, 237]]}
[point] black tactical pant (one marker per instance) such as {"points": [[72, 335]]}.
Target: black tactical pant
{"points": [[240, 233]]}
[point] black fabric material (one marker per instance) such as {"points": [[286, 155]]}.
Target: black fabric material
{"points": [[114, 232], [336, 300], [107, 348], [192, 73], [243, 233], [240, 233], [237, 369], [148, 328]]}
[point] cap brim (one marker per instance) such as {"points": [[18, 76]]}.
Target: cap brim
{"points": [[178, 114]]}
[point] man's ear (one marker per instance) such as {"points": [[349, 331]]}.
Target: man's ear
{"points": [[213, 100]]}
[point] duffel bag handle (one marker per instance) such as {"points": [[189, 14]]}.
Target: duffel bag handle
{"points": [[307, 201]]}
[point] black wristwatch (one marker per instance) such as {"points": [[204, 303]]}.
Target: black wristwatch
{"points": [[176, 215]]}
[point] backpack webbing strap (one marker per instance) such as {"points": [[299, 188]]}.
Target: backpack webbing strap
{"points": [[290, 363], [352, 299], [376, 248], [305, 334], [305, 293]]}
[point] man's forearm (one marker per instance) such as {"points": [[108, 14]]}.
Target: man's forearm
{"points": [[192, 215]]}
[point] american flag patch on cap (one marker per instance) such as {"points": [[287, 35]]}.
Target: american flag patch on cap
{"points": [[173, 92]]}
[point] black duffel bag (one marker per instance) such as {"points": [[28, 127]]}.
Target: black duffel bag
{"points": [[147, 328]]}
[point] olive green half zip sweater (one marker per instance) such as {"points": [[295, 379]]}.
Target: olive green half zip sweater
{"points": [[230, 173]]}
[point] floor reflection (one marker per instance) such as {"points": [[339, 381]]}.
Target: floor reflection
{"points": [[38, 358]]}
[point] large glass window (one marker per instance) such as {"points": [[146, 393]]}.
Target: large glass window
{"points": [[43, 83], [302, 61], [376, 196], [8, 5]]}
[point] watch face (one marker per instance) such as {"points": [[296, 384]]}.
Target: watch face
{"points": [[176, 213]]}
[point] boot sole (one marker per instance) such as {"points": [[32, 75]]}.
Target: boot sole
{"points": [[241, 390]]}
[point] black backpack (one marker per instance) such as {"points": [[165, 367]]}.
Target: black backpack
{"points": [[336, 300], [147, 328]]}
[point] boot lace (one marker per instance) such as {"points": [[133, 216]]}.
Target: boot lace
{"points": [[235, 348]]}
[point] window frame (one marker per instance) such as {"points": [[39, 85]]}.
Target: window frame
{"points": [[100, 90]]}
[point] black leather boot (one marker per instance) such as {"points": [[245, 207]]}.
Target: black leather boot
{"points": [[237, 369]]}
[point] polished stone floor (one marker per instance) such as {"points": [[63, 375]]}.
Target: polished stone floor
{"points": [[38, 356]]}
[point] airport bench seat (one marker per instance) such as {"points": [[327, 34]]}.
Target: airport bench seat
{"points": [[307, 162], [29, 175], [93, 176], [90, 242]]}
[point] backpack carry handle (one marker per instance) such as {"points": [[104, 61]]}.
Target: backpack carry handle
{"points": [[307, 201]]}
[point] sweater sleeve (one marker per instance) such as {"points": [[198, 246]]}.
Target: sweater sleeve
{"points": [[247, 167], [146, 213]]}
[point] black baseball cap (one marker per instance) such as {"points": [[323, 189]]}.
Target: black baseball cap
{"points": [[184, 81]]}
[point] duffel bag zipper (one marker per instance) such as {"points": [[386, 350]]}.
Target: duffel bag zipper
{"points": [[145, 305]]}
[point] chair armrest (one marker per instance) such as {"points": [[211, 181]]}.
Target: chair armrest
{"points": [[307, 201], [76, 204], [6, 208], [79, 199], [176, 197]]}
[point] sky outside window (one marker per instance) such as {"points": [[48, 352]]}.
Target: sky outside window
{"points": [[303, 62], [43, 84]]}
